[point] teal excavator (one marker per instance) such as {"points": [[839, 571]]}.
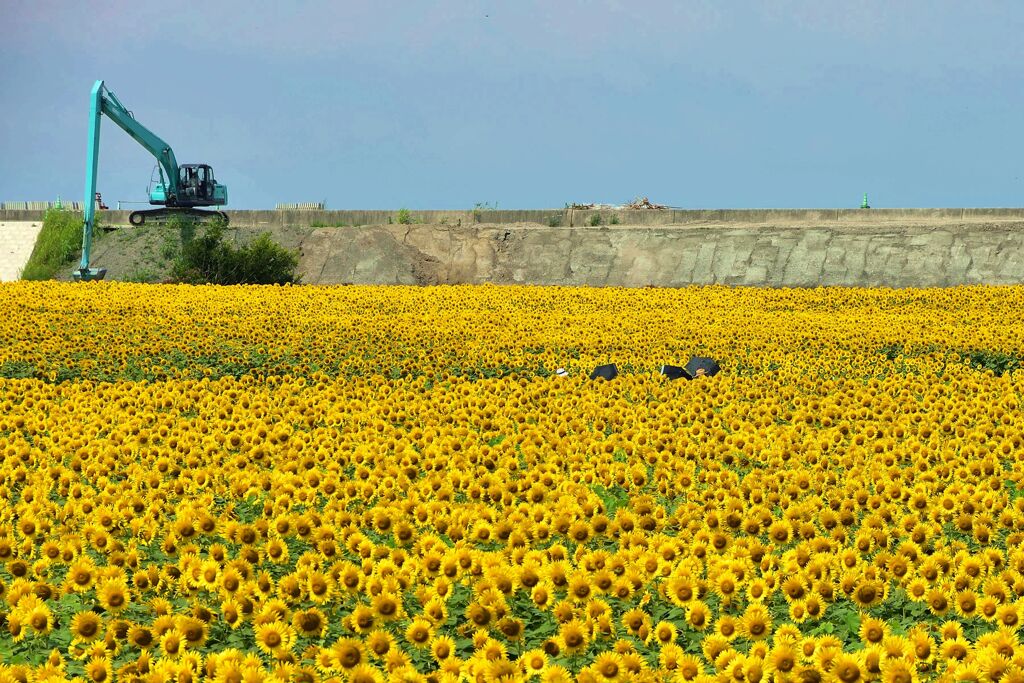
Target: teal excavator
{"points": [[178, 189]]}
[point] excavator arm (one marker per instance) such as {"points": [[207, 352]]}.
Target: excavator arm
{"points": [[105, 102]]}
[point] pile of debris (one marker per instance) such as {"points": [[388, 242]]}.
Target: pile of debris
{"points": [[639, 203], [644, 203]]}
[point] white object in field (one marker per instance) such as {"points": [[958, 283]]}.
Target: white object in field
{"points": [[561, 372]]}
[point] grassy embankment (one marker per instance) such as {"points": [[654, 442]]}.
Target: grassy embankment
{"points": [[58, 245]]}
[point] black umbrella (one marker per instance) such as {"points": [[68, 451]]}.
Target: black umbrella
{"points": [[698, 366], [605, 372], [674, 372]]}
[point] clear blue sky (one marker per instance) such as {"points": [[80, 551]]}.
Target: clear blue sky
{"points": [[527, 104]]}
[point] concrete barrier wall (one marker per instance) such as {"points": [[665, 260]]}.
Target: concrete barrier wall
{"points": [[17, 240], [577, 217]]}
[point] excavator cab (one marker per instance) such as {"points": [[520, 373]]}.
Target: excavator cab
{"points": [[196, 186], [197, 182]]}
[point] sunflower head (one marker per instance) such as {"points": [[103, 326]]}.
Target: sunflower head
{"points": [[419, 632], [99, 670], [86, 626], [172, 644], [141, 637], [113, 595], [193, 630], [443, 647], [872, 631], [40, 619], [756, 622], [572, 636], [275, 638], [349, 653], [310, 622]]}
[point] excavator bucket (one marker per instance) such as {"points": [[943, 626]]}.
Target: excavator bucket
{"points": [[88, 274]]}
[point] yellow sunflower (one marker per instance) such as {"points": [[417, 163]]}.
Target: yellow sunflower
{"points": [[99, 669], [349, 653], [756, 622], [172, 643], [534, 662], [419, 632], [275, 637], [40, 618], [442, 648], [387, 607], [114, 595], [310, 622], [81, 575], [141, 637], [572, 636], [86, 626], [364, 673], [608, 666]]}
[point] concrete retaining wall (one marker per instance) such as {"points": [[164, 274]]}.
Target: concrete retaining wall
{"points": [[587, 217], [578, 217]]}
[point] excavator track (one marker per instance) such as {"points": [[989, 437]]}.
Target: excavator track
{"points": [[161, 216]]}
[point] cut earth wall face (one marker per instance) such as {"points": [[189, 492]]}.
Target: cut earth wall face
{"points": [[667, 257], [767, 248]]}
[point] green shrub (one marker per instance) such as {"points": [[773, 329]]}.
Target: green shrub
{"points": [[554, 221], [59, 243], [209, 259], [404, 217], [594, 220], [480, 207], [614, 220]]}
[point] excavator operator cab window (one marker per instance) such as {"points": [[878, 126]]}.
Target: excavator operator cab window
{"points": [[193, 179], [206, 182]]}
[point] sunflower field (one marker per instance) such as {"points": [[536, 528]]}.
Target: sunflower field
{"points": [[244, 484]]}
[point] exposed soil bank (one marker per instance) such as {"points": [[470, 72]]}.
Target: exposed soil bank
{"points": [[919, 250]]}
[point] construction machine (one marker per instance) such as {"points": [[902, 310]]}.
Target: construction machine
{"points": [[179, 189]]}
